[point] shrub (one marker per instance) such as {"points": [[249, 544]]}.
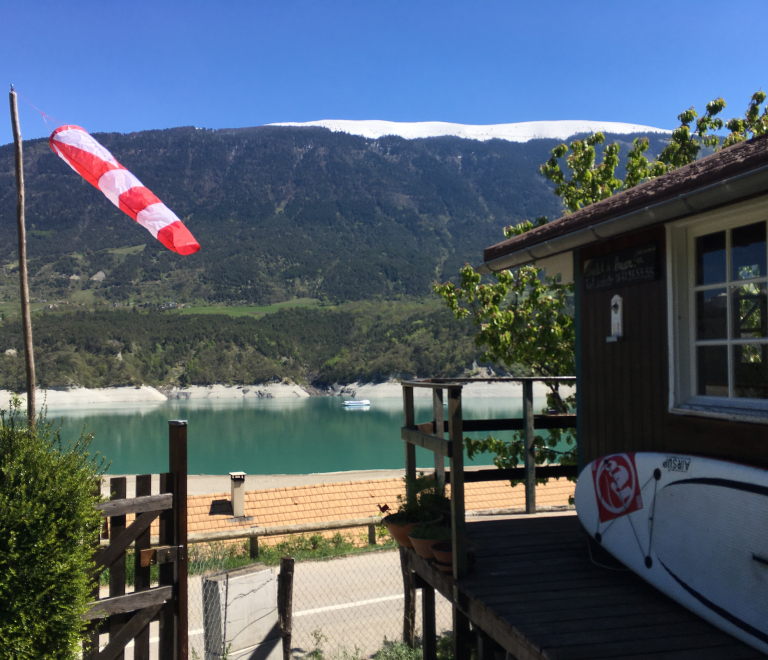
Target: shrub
{"points": [[48, 525]]}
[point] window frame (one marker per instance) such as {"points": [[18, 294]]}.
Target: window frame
{"points": [[681, 313]]}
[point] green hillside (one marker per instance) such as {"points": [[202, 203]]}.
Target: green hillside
{"points": [[279, 212], [357, 341]]}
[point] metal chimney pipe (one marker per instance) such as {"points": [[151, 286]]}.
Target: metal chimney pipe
{"points": [[237, 481]]}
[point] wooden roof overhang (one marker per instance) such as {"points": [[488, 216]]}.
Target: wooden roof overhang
{"points": [[733, 174]]}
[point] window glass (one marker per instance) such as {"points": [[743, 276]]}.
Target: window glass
{"points": [[748, 252], [710, 258], [750, 371], [713, 370], [748, 306], [712, 314]]}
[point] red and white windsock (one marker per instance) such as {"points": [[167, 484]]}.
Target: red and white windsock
{"points": [[96, 165]]}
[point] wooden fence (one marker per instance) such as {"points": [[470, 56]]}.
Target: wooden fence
{"points": [[127, 617]]}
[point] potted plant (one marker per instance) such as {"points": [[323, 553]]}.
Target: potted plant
{"points": [[443, 554], [415, 508], [425, 535]]}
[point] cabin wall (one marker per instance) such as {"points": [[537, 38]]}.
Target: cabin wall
{"points": [[624, 385]]}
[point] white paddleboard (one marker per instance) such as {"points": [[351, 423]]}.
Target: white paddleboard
{"points": [[695, 528]]}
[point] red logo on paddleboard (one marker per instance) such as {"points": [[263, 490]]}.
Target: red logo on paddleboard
{"points": [[616, 486]]}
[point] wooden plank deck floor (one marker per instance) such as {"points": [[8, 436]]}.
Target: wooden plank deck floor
{"points": [[536, 591]]}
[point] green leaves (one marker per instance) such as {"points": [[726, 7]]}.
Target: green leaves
{"points": [[753, 123], [48, 527], [589, 183]]}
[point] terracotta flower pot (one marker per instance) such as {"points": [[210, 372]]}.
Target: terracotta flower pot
{"points": [[443, 553], [400, 532], [423, 547]]}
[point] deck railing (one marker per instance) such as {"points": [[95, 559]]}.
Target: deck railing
{"points": [[431, 436]]}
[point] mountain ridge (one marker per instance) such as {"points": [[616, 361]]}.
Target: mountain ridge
{"points": [[512, 132]]}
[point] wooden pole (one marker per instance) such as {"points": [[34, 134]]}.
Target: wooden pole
{"points": [[438, 416], [141, 573], [177, 463], [21, 233], [409, 604], [285, 603], [529, 434], [117, 569]]}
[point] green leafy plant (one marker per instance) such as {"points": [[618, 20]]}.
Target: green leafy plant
{"points": [[431, 532], [48, 529], [424, 500]]}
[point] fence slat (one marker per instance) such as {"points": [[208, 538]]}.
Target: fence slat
{"points": [[141, 573], [280, 530], [117, 567], [136, 505], [117, 547], [138, 624], [437, 445], [165, 647], [128, 602]]}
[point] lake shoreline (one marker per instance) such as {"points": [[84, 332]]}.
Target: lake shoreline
{"points": [[76, 396]]}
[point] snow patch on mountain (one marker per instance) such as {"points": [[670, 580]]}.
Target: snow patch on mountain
{"points": [[519, 132]]}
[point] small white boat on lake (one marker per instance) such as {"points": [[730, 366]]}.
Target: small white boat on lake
{"points": [[361, 403]]}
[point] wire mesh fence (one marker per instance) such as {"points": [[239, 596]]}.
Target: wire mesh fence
{"points": [[344, 606]]}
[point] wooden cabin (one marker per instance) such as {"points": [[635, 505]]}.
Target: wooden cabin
{"points": [[671, 303]]}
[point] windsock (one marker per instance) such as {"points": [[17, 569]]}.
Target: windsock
{"points": [[96, 165]]}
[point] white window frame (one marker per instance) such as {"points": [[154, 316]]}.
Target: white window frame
{"points": [[681, 313]]}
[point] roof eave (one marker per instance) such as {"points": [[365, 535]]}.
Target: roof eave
{"points": [[726, 191]]}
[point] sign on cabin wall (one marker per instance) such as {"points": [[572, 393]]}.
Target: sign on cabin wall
{"points": [[630, 266]]}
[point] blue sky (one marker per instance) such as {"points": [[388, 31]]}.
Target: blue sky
{"points": [[130, 66]]}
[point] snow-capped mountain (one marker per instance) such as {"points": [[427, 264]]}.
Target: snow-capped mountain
{"points": [[519, 132]]}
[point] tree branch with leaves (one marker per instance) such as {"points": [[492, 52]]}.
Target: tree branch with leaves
{"points": [[522, 317]]}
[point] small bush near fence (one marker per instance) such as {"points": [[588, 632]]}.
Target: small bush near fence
{"points": [[389, 650], [48, 525]]}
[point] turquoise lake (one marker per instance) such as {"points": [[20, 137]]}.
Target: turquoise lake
{"points": [[264, 436]]}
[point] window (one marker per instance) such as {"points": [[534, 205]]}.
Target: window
{"points": [[720, 312]]}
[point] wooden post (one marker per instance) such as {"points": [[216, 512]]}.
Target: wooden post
{"points": [[409, 604], [253, 547], [530, 456], [142, 574], [458, 525], [438, 416], [177, 463], [409, 421], [26, 320], [371, 534], [166, 618], [428, 623], [117, 569], [462, 635], [285, 603]]}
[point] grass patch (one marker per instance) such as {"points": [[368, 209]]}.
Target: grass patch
{"points": [[249, 310], [206, 558], [135, 249]]}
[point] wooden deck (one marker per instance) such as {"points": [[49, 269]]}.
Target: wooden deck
{"points": [[535, 590]]}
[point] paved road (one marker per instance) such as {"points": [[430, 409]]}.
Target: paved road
{"points": [[354, 602]]}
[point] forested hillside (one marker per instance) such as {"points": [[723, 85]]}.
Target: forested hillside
{"points": [[279, 212], [363, 341]]}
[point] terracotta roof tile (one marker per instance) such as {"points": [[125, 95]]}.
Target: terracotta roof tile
{"points": [[317, 503]]}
